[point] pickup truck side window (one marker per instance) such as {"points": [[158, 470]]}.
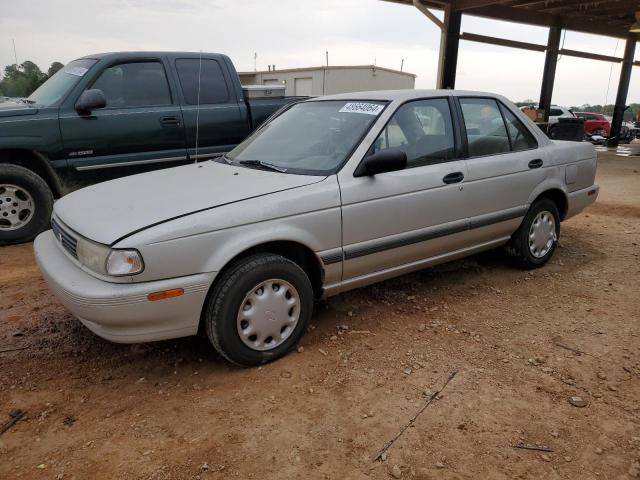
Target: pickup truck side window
{"points": [[486, 131], [213, 87], [141, 84], [423, 129], [521, 137]]}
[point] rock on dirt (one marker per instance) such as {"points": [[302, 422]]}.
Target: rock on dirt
{"points": [[578, 402]]}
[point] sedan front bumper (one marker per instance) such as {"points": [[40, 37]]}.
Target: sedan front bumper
{"points": [[121, 312]]}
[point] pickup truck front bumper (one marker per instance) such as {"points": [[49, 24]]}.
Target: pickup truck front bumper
{"points": [[121, 312]]}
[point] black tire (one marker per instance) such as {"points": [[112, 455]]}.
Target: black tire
{"points": [[42, 198], [518, 247], [224, 301], [551, 131]]}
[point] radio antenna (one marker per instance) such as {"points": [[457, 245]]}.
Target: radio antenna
{"points": [[198, 109]]}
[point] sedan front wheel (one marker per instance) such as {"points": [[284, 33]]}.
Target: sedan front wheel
{"points": [[258, 310]]}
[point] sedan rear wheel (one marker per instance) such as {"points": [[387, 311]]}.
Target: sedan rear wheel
{"points": [[536, 239], [258, 309]]}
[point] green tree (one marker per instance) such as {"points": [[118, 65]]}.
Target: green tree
{"points": [[55, 66], [21, 80]]}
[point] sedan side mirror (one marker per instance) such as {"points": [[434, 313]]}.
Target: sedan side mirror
{"points": [[91, 100], [381, 162]]}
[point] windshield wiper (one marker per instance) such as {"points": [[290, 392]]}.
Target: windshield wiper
{"points": [[265, 165], [27, 101]]}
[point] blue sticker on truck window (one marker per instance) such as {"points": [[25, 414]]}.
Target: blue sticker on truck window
{"points": [[362, 107]]}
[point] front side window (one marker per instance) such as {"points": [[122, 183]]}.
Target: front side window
{"points": [[207, 78], [422, 129], [521, 137], [312, 138], [140, 84], [486, 132]]}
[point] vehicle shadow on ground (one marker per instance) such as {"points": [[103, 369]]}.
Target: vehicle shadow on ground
{"points": [[58, 334]]}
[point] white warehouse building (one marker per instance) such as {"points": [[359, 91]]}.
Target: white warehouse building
{"points": [[330, 80]]}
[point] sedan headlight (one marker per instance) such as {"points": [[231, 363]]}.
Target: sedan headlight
{"points": [[104, 260], [124, 262]]}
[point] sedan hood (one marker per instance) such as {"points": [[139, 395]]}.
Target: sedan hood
{"points": [[109, 211]]}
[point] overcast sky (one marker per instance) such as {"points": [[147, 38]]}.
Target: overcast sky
{"points": [[296, 33]]}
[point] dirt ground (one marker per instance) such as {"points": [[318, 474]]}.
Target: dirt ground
{"points": [[522, 343]]}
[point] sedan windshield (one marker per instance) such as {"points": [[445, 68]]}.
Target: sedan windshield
{"points": [[311, 138], [56, 88]]}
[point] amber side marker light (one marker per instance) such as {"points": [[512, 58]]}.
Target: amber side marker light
{"points": [[175, 292]]}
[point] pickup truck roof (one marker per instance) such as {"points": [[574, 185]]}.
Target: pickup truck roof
{"points": [[143, 54]]}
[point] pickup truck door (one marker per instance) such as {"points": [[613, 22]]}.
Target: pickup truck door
{"points": [[397, 219], [210, 107], [140, 128], [504, 166]]}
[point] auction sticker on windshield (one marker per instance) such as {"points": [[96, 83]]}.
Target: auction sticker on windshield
{"points": [[362, 107], [77, 71]]}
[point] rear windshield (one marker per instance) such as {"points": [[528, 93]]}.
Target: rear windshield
{"points": [[312, 138]]}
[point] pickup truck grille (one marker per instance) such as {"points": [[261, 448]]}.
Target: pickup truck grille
{"points": [[68, 241]]}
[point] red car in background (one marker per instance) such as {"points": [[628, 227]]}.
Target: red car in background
{"points": [[595, 123]]}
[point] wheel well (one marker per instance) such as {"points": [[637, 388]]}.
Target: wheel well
{"points": [[35, 162], [559, 198], [300, 254]]}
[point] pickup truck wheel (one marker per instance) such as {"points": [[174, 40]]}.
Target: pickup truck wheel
{"points": [[26, 202], [536, 239], [259, 309]]}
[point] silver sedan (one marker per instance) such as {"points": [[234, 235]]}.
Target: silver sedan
{"points": [[331, 194]]}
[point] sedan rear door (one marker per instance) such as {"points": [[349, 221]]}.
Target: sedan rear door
{"points": [[504, 166]]}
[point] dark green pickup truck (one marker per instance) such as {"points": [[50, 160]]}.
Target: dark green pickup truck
{"points": [[109, 115]]}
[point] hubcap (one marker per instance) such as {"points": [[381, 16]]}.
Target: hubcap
{"points": [[268, 314], [542, 234], [16, 207]]}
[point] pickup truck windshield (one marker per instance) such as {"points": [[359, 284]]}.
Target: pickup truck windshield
{"points": [[311, 138], [56, 88]]}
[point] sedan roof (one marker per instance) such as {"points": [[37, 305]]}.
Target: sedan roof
{"points": [[404, 95]]}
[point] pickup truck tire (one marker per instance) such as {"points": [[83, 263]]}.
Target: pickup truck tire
{"points": [[26, 202], [535, 241], [258, 310]]}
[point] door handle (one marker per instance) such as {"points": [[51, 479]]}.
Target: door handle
{"points": [[169, 122], [454, 177], [537, 163]]}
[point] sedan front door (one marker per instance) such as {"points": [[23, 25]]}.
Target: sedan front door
{"points": [[399, 219]]}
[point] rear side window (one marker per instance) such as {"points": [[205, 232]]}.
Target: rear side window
{"points": [[520, 136], [213, 87], [423, 130], [140, 84], [555, 112], [486, 131]]}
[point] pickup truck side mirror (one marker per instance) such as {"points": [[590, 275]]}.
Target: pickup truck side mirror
{"points": [[381, 162], [90, 100]]}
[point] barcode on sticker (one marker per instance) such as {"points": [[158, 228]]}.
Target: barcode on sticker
{"points": [[362, 107]]}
